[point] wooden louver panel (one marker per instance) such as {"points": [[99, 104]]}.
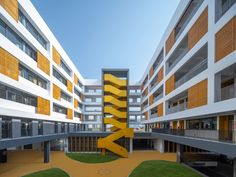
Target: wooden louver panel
{"points": [[75, 103], [69, 86], [43, 106], [56, 56], [170, 84], [56, 92], [75, 79], [9, 65], [197, 95], [151, 72], [160, 110], [43, 63], [170, 41], [11, 6], [146, 115], [198, 30], [225, 40], [151, 100], [160, 74], [69, 113]]}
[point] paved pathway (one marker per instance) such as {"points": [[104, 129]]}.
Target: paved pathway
{"points": [[25, 162]]}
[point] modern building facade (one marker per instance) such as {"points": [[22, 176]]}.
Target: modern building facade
{"points": [[185, 101]]}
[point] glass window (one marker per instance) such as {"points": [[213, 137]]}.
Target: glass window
{"points": [[29, 75], [65, 96], [59, 77], [14, 38], [11, 95], [2, 92], [134, 108], [93, 108], [25, 22], [66, 69], [59, 109]]}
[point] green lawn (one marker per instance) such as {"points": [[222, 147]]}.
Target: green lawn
{"points": [[92, 158], [53, 172], [160, 168]]}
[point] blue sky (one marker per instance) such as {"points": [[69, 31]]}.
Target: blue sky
{"points": [[108, 33]]}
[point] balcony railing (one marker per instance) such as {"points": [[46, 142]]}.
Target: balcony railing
{"points": [[228, 92], [193, 72], [177, 108], [158, 97], [217, 135]]}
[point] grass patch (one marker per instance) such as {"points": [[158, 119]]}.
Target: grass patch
{"points": [[52, 172], [160, 168], [92, 158]]}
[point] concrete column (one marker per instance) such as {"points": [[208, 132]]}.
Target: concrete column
{"points": [[179, 153], [159, 145], [234, 167], [58, 127], [16, 128], [35, 128], [66, 128], [46, 151], [131, 145], [66, 145]]}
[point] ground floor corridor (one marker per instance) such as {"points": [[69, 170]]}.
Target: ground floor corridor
{"points": [[24, 162]]}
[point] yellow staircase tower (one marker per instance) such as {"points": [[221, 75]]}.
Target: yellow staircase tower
{"points": [[115, 111]]}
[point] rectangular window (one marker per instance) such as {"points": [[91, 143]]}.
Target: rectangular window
{"points": [[77, 92], [59, 109], [134, 109], [65, 68], [59, 77], [93, 108], [25, 22], [65, 96], [14, 38], [29, 75]]}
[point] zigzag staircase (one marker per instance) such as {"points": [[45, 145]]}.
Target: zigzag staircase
{"points": [[115, 106]]}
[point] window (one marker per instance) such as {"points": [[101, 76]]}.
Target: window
{"points": [[59, 77], [221, 7], [77, 92], [59, 109], [203, 124], [14, 38], [93, 108], [29, 75], [134, 108], [65, 96], [24, 21], [76, 114], [90, 117], [65, 68], [17, 96]]}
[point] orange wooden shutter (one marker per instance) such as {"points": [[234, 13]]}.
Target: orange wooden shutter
{"points": [[75, 79], [160, 74], [56, 92], [151, 100], [56, 56], [11, 6], [197, 95], [170, 41], [170, 84], [151, 72], [160, 110], [225, 40], [75, 103], [146, 115], [69, 86], [43, 63], [69, 113], [199, 29], [43, 106], [9, 65]]}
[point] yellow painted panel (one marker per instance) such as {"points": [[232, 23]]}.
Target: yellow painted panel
{"points": [[170, 84], [75, 79], [160, 110], [11, 6], [69, 113], [43, 106], [9, 65], [69, 86], [56, 56], [43, 63], [75, 103], [56, 92], [116, 123]]}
